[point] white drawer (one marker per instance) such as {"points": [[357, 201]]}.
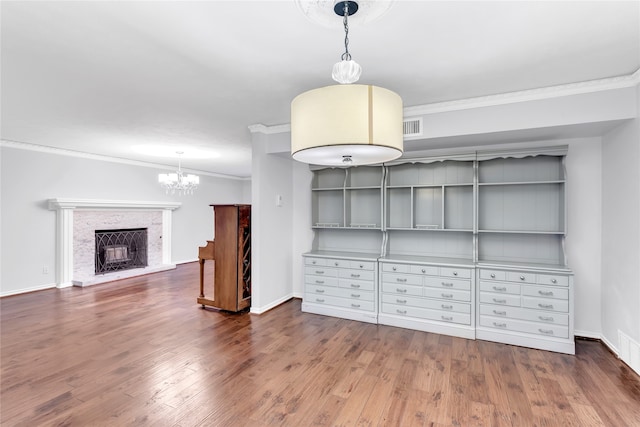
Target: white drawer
{"points": [[546, 292], [447, 283], [401, 289], [396, 268], [546, 304], [424, 269], [320, 280], [553, 280], [501, 299], [355, 274], [402, 279], [493, 274], [321, 271], [356, 284], [410, 300], [362, 265], [524, 314], [339, 302], [315, 261], [455, 272], [521, 277], [354, 294], [338, 263], [423, 313], [449, 294], [527, 327], [322, 290], [503, 287], [427, 303]]}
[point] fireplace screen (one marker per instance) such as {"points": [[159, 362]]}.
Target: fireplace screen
{"points": [[120, 249]]}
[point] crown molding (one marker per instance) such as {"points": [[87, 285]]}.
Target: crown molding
{"points": [[71, 153], [63, 203], [549, 92], [269, 130], [589, 86]]}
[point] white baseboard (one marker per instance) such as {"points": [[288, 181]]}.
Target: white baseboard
{"points": [[588, 334], [186, 261], [27, 290], [629, 351], [263, 309]]}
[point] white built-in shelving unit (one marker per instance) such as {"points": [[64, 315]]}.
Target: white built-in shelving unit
{"points": [[469, 245]]}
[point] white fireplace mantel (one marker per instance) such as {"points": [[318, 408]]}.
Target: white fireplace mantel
{"points": [[64, 208]]}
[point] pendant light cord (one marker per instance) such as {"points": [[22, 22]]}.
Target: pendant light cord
{"points": [[346, 56]]}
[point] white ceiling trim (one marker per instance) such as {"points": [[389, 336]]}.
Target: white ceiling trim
{"points": [[549, 92], [269, 130], [71, 153]]}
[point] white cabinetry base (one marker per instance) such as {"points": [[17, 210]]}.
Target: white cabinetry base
{"points": [[427, 326], [515, 338], [343, 313]]}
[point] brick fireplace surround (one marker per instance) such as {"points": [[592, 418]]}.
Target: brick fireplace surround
{"points": [[77, 220]]}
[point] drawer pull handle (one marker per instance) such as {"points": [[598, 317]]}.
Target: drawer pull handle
{"points": [[493, 275], [499, 313], [336, 264], [319, 272], [499, 325], [401, 301], [401, 280], [500, 301], [402, 291], [546, 293], [401, 311], [447, 307], [549, 306], [355, 305], [320, 282], [314, 262], [424, 270], [394, 268], [447, 318], [354, 285], [546, 331], [455, 273], [521, 277], [447, 295], [361, 266], [319, 300], [500, 288], [355, 276], [554, 281], [355, 295], [320, 291], [447, 285], [546, 318]]}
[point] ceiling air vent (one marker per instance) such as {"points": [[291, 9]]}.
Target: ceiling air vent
{"points": [[412, 127]]}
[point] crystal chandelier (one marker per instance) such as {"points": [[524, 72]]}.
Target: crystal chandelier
{"points": [[178, 182]]}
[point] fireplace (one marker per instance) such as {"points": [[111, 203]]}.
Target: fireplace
{"points": [[77, 221], [121, 249]]}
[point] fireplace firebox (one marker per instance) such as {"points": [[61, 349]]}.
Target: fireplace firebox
{"points": [[121, 249]]}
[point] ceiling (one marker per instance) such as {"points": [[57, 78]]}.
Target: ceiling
{"points": [[118, 78]]}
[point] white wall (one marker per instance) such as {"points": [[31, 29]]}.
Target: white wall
{"points": [[29, 178], [584, 223], [302, 236], [621, 232], [271, 225]]}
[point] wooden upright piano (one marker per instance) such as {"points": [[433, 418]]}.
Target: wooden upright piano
{"points": [[231, 252]]}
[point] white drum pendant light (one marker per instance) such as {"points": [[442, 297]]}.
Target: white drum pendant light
{"points": [[346, 124]]}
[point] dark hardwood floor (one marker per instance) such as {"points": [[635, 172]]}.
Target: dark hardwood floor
{"points": [[142, 352]]}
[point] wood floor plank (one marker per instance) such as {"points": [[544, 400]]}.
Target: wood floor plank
{"points": [[142, 352]]}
